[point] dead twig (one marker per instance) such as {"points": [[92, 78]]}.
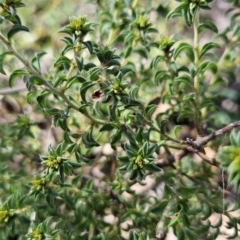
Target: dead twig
{"points": [[200, 141]]}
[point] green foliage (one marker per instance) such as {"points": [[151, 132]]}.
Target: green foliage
{"points": [[229, 158], [120, 166]]}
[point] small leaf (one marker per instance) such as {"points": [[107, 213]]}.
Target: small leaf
{"points": [[84, 89], [184, 79], [207, 25], [207, 65], [178, 10], [94, 73], [188, 17], [79, 62], [50, 112], [161, 75], [15, 74], [208, 46], [15, 29], [235, 138], [50, 200], [41, 100], [89, 46], [150, 110], [2, 56], [36, 80], [176, 130], [62, 61], [206, 103], [113, 62], [75, 79], [128, 51], [183, 47], [162, 126], [36, 61], [30, 95], [106, 127], [158, 209], [156, 60], [88, 140], [152, 168], [116, 137]]}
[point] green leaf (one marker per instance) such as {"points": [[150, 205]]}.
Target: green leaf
{"points": [[162, 125], [184, 79], [178, 11], [2, 56], [206, 103], [50, 200], [128, 51], [66, 137], [206, 212], [156, 60], [107, 127], [84, 88], [207, 25], [161, 75], [152, 168], [202, 230], [75, 79], [62, 61], [190, 234], [159, 208], [88, 140], [207, 65], [15, 29], [41, 100], [30, 95], [89, 46], [36, 80], [134, 174], [80, 158], [113, 62], [183, 47], [235, 138], [176, 130], [207, 47], [174, 220], [50, 111], [15, 74], [36, 61], [187, 16], [116, 137], [150, 110], [79, 62], [129, 101], [94, 73], [59, 80]]}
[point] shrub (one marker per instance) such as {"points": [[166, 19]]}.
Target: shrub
{"points": [[141, 104]]}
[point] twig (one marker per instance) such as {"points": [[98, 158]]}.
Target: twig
{"points": [[202, 155], [7, 91], [200, 141]]}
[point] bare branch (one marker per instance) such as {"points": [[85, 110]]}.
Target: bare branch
{"points": [[200, 141], [7, 91]]}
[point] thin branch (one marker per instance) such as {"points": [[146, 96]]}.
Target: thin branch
{"points": [[7, 91], [32, 71], [200, 141]]}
